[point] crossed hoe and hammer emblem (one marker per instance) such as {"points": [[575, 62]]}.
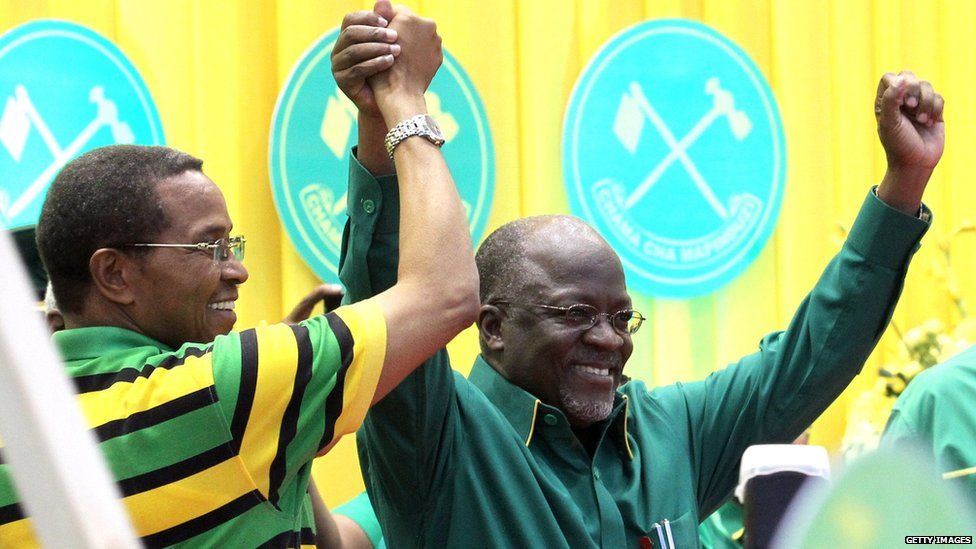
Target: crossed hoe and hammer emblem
{"points": [[336, 131], [628, 126], [20, 115]]}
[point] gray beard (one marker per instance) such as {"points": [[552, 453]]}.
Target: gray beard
{"points": [[585, 411]]}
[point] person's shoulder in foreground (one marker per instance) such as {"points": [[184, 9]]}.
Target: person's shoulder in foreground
{"points": [[210, 435], [937, 414]]}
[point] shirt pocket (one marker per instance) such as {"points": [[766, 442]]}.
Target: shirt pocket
{"points": [[683, 530]]}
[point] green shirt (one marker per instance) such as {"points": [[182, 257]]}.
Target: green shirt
{"points": [[211, 445], [937, 412], [723, 528], [455, 462]]}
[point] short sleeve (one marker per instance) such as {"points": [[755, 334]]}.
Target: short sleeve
{"points": [[289, 392]]}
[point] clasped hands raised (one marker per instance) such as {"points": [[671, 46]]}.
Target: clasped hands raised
{"points": [[385, 59]]}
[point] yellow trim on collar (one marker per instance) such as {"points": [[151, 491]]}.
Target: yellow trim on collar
{"points": [[960, 473], [627, 439], [535, 412]]}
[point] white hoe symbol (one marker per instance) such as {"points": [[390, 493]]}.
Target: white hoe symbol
{"points": [[20, 115], [629, 125]]}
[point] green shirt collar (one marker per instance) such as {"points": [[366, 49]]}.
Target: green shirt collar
{"points": [[93, 342], [524, 411]]}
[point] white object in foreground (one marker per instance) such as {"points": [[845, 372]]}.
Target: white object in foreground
{"points": [[766, 459], [62, 479]]}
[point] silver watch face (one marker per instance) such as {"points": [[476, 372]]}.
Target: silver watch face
{"points": [[435, 130]]}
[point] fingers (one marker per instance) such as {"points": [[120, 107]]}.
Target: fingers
{"points": [[315, 295], [912, 89], [361, 33], [926, 100], [334, 299], [368, 18], [891, 96], [384, 9], [330, 294], [886, 81], [938, 108], [904, 94], [362, 53], [323, 291], [930, 105], [362, 71], [364, 48]]}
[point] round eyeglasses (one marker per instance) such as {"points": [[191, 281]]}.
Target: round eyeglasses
{"points": [[583, 317], [222, 250]]}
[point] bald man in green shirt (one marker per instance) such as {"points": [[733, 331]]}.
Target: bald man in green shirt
{"points": [[543, 445]]}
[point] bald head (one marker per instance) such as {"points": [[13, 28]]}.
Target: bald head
{"points": [[506, 262]]}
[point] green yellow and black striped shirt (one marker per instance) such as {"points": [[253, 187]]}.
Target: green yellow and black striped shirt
{"points": [[212, 444]]}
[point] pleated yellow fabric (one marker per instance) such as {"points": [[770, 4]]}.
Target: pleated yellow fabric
{"points": [[215, 68]]}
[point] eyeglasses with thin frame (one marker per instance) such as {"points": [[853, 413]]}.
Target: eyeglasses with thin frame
{"points": [[222, 249], [583, 317]]}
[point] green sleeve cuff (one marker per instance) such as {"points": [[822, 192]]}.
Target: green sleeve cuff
{"points": [[886, 236], [369, 196]]}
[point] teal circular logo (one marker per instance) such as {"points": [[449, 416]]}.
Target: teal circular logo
{"points": [[64, 90], [314, 129], [673, 149]]}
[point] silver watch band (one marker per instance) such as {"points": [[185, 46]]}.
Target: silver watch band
{"points": [[421, 125]]}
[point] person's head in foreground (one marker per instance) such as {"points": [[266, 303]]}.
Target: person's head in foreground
{"points": [[138, 237], [556, 318]]}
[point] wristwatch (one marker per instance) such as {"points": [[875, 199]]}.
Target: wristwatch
{"points": [[422, 125]]}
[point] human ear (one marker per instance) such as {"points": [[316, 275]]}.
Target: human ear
{"points": [[54, 319], [490, 327], [112, 274]]}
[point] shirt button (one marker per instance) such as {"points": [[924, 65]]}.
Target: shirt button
{"points": [[596, 475], [550, 419], [369, 206]]}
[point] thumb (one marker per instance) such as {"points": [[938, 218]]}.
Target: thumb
{"points": [[384, 9], [889, 113]]}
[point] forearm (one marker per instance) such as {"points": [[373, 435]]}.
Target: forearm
{"points": [[326, 532], [436, 293], [773, 395], [902, 189], [838, 324], [371, 152], [435, 246]]}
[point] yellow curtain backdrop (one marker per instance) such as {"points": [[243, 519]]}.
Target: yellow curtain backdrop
{"points": [[215, 67]]}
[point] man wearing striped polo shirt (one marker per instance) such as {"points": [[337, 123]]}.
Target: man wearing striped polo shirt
{"points": [[212, 443]]}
